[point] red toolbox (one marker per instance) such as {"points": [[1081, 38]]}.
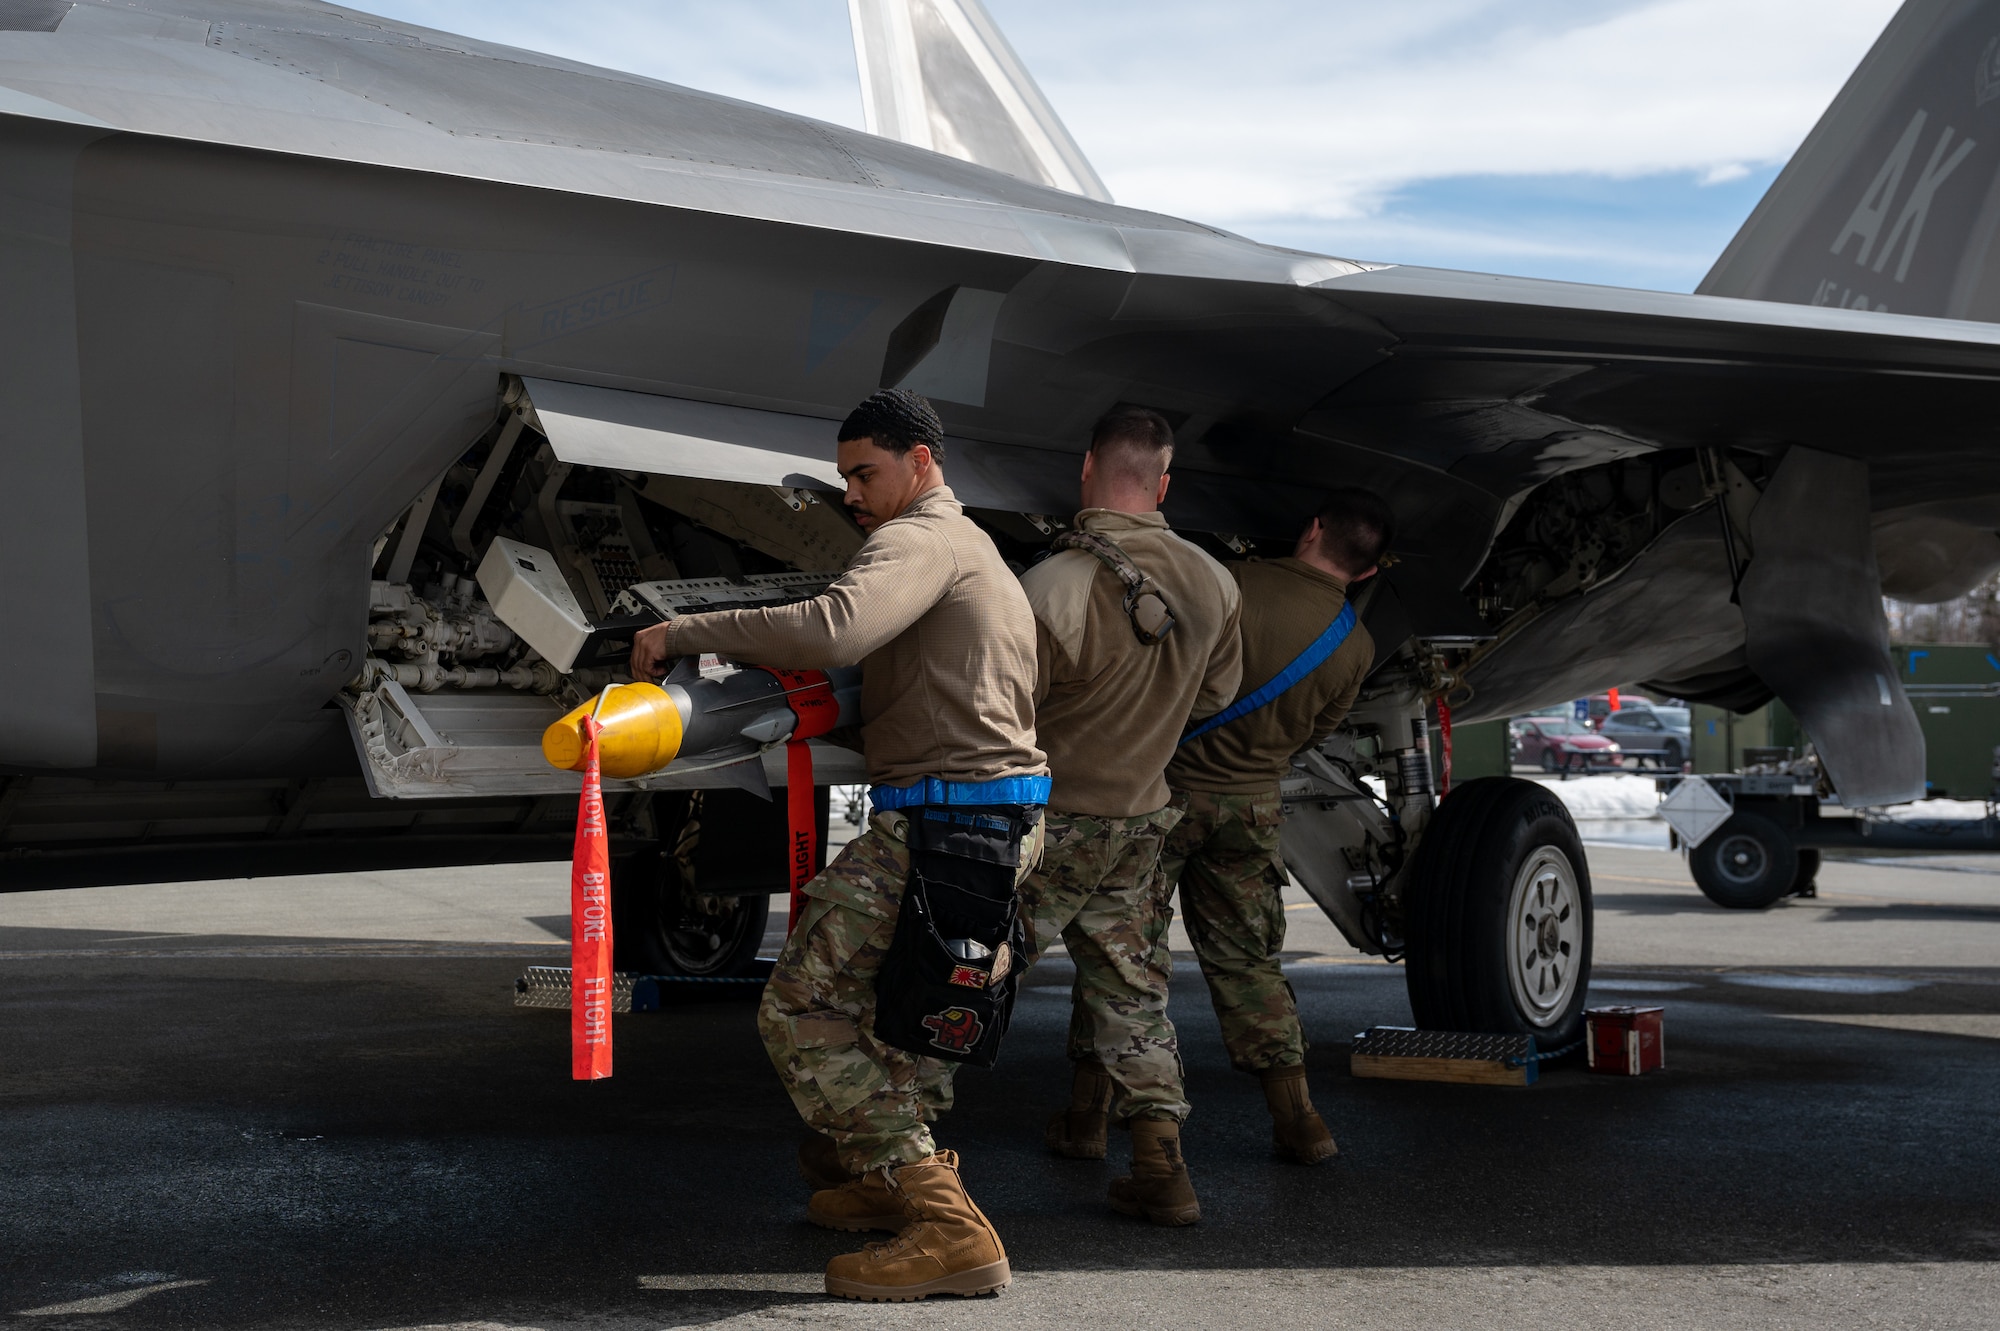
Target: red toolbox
{"points": [[1625, 1041]]}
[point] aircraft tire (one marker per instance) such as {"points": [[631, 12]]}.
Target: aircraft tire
{"points": [[1483, 953], [1748, 863], [658, 929]]}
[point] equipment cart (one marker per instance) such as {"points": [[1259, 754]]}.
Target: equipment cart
{"points": [[1754, 838]]}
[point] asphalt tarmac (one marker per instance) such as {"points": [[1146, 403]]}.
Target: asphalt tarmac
{"points": [[309, 1102]]}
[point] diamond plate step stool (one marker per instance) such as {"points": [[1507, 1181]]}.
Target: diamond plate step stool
{"points": [[1402, 1053], [548, 987]]}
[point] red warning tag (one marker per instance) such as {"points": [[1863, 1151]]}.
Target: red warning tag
{"points": [[814, 712], [590, 926], [801, 824]]}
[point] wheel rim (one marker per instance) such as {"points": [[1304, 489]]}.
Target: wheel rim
{"points": [[691, 934], [1544, 936], [701, 944], [1742, 860]]}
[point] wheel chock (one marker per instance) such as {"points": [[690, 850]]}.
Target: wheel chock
{"points": [[1403, 1053]]}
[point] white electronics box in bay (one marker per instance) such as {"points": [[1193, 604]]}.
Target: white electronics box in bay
{"points": [[529, 594]]}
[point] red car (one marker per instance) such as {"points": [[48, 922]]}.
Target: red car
{"points": [[1562, 744]]}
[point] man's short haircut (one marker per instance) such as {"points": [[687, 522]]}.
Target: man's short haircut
{"points": [[1134, 442], [1356, 527], [897, 420]]}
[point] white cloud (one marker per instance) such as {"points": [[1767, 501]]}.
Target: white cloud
{"points": [[1291, 119], [1724, 173], [1325, 112]]}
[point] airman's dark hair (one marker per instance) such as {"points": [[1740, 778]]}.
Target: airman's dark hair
{"points": [[1356, 527], [1135, 441], [897, 420], [1133, 425]]}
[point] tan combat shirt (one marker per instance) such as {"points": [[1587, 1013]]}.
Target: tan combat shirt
{"points": [[1286, 604], [944, 637], [1109, 708]]}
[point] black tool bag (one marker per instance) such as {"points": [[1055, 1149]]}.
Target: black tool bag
{"points": [[946, 989]]}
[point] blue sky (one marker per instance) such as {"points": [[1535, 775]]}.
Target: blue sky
{"points": [[1659, 230], [1617, 141]]}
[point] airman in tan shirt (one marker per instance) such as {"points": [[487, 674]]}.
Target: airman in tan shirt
{"points": [[1223, 853], [1110, 708], [946, 644], [943, 635], [1286, 604], [1114, 697]]}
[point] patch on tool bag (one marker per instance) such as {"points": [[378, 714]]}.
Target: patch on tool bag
{"points": [[946, 987], [955, 1029]]}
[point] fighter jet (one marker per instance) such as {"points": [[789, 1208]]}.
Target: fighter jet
{"points": [[363, 383]]}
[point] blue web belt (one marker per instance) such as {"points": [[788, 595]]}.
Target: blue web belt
{"points": [[1307, 661], [930, 790]]}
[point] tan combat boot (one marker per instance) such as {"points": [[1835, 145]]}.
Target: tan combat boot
{"points": [[819, 1163], [1081, 1132], [948, 1247], [1296, 1127], [859, 1204], [1158, 1188]]}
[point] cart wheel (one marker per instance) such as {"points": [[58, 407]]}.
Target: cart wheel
{"points": [[1745, 864], [1498, 915], [1806, 882]]}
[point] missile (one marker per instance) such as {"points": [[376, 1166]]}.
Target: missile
{"points": [[696, 722]]}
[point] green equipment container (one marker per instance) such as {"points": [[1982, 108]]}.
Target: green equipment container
{"points": [[1478, 749], [1956, 691], [1722, 737], [1954, 688]]}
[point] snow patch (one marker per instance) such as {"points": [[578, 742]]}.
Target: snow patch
{"points": [[1606, 796], [1924, 810]]}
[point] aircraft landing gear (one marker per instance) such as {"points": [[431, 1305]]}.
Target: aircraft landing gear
{"points": [[1498, 915], [678, 909], [661, 928]]}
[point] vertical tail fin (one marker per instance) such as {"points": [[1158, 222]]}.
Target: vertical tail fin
{"points": [[939, 74], [1893, 200]]}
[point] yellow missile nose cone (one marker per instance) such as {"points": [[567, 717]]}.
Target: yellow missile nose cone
{"points": [[639, 732]]}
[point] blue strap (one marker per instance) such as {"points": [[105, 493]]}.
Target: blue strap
{"points": [[930, 790], [1307, 661]]}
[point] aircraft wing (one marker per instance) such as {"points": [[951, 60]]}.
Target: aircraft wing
{"points": [[413, 214], [335, 85], [1482, 362], [1515, 385]]}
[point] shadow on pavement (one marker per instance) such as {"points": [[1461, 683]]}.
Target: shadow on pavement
{"points": [[385, 1140]]}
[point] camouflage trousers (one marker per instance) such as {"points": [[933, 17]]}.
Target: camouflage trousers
{"points": [[1099, 890], [817, 1016], [1223, 855]]}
